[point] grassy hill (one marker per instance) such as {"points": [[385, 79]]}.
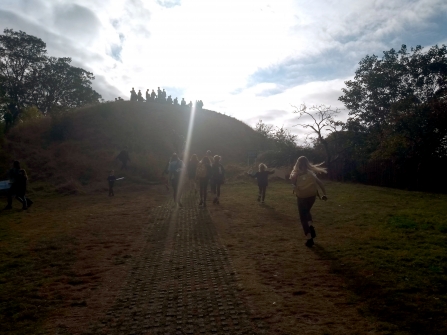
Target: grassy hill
{"points": [[75, 151]]}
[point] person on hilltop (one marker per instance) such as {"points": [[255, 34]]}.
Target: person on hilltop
{"points": [[190, 104], [175, 101], [304, 178], [123, 156], [175, 170], [203, 175], [163, 94], [153, 95], [148, 95], [183, 102], [262, 176], [133, 95], [217, 177], [140, 96], [169, 100], [159, 93], [191, 169], [199, 104]]}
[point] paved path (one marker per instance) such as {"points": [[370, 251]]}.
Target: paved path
{"points": [[183, 283]]}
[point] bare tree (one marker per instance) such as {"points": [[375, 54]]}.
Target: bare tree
{"points": [[321, 123]]}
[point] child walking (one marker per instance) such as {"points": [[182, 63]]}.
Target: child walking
{"points": [[262, 176], [305, 180], [203, 175], [217, 178]]}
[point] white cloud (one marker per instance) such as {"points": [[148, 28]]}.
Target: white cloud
{"points": [[209, 50]]}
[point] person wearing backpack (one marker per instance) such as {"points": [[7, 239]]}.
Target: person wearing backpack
{"points": [[305, 180], [203, 175], [175, 169], [262, 176], [217, 178]]}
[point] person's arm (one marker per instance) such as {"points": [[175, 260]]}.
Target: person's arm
{"points": [[319, 183], [271, 172]]}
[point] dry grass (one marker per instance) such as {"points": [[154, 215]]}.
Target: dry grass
{"points": [[380, 254], [378, 266]]}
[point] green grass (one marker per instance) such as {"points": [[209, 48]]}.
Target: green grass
{"points": [[390, 245]]}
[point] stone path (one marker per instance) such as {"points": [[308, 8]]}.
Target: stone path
{"points": [[183, 283]]}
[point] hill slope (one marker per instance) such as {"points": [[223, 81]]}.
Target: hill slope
{"points": [[80, 148]]}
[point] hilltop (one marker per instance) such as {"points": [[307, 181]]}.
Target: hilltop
{"points": [[76, 150]]}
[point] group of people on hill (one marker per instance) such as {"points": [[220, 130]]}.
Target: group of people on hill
{"points": [[160, 97]]}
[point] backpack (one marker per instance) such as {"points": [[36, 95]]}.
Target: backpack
{"points": [[306, 185], [201, 171]]}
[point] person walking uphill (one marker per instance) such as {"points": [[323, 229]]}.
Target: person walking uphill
{"points": [[305, 180], [192, 168], [217, 178], [262, 176], [175, 170], [203, 175]]}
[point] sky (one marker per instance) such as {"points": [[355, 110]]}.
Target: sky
{"points": [[251, 59]]}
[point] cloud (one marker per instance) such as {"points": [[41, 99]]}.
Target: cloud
{"points": [[169, 3]]}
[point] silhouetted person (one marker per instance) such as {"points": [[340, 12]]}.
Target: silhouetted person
{"points": [[190, 104], [159, 94], [183, 102], [164, 94], [123, 156], [176, 101], [199, 104], [13, 183], [133, 95], [169, 101], [140, 96], [153, 95], [8, 120], [21, 183], [148, 96]]}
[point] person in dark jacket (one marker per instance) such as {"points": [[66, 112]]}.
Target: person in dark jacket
{"points": [[262, 176], [217, 177], [203, 175], [111, 181], [13, 174], [123, 156], [21, 183]]}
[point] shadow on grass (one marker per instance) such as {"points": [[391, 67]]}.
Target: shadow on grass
{"points": [[388, 304]]}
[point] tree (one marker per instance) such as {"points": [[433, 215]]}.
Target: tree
{"points": [[387, 92], [322, 122], [28, 77]]}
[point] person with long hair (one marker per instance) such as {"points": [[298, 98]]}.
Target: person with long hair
{"points": [[192, 168], [306, 183]]}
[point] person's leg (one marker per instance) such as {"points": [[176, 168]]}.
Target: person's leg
{"points": [[205, 188], [202, 191], [218, 184], [11, 193], [304, 212], [263, 189], [259, 192], [174, 184]]}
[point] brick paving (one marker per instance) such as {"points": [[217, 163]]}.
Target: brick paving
{"points": [[183, 283]]}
